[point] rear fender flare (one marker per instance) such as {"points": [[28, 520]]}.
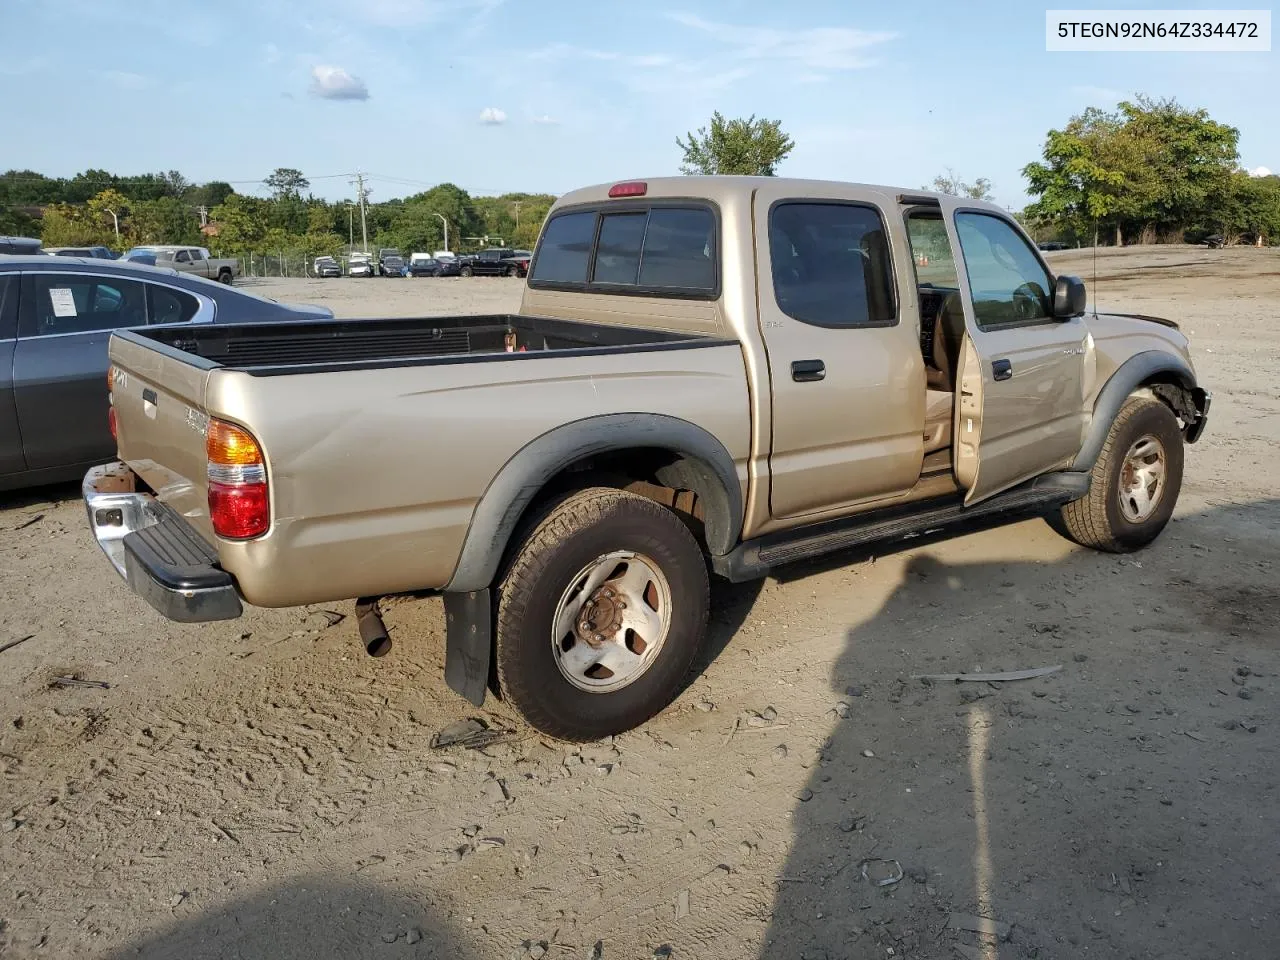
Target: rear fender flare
{"points": [[1128, 377], [706, 468]]}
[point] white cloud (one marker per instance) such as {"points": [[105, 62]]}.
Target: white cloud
{"points": [[568, 51], [334, 83], [830, 48], [1260, 172], [409, 13], [272, 53], [493, 116], [546, 120]]}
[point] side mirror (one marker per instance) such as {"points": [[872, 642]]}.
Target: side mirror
{"points": [[1069, 298]]}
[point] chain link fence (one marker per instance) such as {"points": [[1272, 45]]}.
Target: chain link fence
{"points": [[289, 263]]}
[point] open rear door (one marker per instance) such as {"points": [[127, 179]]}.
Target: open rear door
{"points": [[1019, 408]]}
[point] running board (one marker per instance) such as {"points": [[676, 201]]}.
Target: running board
{"points": [[755, 558]]}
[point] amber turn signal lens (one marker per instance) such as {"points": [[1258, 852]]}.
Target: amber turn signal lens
{"points": [[228, 445]]}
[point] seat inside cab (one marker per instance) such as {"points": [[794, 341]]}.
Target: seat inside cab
{"points": [[941, 323]]}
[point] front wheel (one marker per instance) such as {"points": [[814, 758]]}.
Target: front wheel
{"points": [[601, 610], [225, 277], [1135, 482], [513, 271], [465, 272]]}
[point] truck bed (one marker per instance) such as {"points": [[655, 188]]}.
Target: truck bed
{"points": [[292, 347]]}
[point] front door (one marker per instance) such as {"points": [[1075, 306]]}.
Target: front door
{"points": [[847, 398], [1020, 403], [60, 363]]}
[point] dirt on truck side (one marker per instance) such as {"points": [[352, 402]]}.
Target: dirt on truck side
{"points": [[277, 794]]}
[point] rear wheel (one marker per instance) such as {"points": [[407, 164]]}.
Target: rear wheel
{"points": [[513, 271], [601, 611], [465, 272], [1135, 483], [224, 276]]}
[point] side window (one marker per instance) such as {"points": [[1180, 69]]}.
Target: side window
{"points": [[169, 306], [679, 250], [831, 265], [182, 257], [83, 304], [618, 253], [1009, 285], [8, 306], [931, 251], [565, 249]]}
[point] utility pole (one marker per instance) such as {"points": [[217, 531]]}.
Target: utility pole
{"points": [[351, 237], [517, 203], [204, 215], [446, 229], [361, 194]]}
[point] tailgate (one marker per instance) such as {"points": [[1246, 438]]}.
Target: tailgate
{"points": [[158, 396]]}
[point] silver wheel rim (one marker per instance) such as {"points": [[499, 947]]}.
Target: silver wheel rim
{"points": [[612, 622], [1142, 479]]}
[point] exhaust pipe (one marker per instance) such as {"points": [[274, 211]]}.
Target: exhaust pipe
{"points": [[373, 632]]}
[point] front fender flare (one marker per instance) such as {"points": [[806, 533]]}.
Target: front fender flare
{"points": [[1129, 376], [709, 472]]}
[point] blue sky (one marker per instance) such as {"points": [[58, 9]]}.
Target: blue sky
{"points": [[547, 95]]}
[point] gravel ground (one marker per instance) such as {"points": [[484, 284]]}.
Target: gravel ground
{"points": [[261, 788]]}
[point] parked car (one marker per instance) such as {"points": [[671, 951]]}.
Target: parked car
{"points": [[431, 267], [145, 257], [390, 263], [1215, 241], [495, 262], [56, 316], [1048, 245], [93, 253], [20, 246], [360, 265], [194, 260], [327, 267], [778, 379]]}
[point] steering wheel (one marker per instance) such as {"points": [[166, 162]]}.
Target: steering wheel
{"points": [[1027, 303]]}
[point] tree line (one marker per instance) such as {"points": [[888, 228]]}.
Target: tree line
{"points": [[1147, 171], [100, 207]]}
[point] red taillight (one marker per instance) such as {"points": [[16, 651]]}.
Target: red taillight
{"points": [[111, 421], [239, 511], [239, 503], [632, 188]]}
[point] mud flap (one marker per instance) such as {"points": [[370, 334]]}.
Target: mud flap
{"points": [[468, 643]]}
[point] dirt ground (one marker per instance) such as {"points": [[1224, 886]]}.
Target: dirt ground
{"points": [[261, 788]]}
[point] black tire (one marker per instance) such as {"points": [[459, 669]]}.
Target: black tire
{"points": [[568, 536], [513, 271], [224, 276], [1097, 520], [465, 272]]}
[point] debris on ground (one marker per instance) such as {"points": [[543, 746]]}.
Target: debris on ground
{"points": [[682, 904], [979, 677], [992, 928], [472, 733], [13, 643], [29, 521], [68, 681], [881, 873]]}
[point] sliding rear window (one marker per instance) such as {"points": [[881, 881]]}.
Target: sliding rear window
{"points": [[657, 250]]}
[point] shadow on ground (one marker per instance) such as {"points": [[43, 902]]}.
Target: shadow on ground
{"points": [[1118, 808], [312, 918]]}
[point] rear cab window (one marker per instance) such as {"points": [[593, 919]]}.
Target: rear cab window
{"points": [[664, 248]]}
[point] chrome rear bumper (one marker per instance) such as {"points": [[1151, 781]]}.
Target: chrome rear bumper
{"points": [[162, 559]]}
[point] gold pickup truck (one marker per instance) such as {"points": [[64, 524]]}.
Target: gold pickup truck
{"points": [[708, 375]]}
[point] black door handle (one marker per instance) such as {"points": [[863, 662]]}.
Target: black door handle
{"points": [[806, 371], [149, 395], [1001, 369]]}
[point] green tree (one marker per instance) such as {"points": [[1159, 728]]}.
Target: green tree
{"points": [[163, 220], [286, 182], [210, 194], [1147, 168], [108, 208], [747, 147], [22, 188], [242, 224], [949, 183], [17, 223], [65, 225]]}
